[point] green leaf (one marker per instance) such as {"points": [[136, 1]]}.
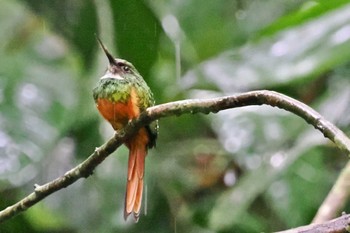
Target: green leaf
{"points": [[302, 52], [308, 11], [137, 32]]}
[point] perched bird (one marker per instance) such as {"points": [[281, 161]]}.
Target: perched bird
{"points": [[120, 96]]}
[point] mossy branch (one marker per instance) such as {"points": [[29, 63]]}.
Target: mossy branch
{"points": [[178, 108]]}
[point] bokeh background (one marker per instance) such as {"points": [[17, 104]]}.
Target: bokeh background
{"points": [[250, 169]]}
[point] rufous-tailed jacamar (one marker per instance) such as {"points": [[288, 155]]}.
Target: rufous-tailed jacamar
{"points": [[120, 96]]}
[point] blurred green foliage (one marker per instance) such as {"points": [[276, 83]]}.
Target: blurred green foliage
{"points": [[251, 169]]}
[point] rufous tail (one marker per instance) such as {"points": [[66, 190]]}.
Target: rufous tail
{"points": [[136, 166]]}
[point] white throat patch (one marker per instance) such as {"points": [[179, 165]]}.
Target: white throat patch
{"points": [[109, 75]]}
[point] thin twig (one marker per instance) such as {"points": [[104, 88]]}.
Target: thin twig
{"points": [[177, 108], [336, 198]]}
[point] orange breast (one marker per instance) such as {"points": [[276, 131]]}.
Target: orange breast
{"points": [[118, 113]]}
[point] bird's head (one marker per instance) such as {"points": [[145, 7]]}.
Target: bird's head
{"points": [[118, 68]]}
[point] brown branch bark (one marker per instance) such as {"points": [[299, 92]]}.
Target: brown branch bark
{"points": [[338, 225], [177, 108]]}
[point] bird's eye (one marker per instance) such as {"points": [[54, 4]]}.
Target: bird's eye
{"points": [[126, 68]]}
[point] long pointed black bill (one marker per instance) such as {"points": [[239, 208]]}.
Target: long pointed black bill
{"points": [[109, 56]]}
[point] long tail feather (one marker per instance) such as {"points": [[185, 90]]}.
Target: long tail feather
{"points": [[134, 186]]}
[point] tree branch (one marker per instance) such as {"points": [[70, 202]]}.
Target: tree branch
{"points": [[336, 198], [178, 108], [338, 225]]}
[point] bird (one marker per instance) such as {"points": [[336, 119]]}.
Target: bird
{"points": [[121, 95]]}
